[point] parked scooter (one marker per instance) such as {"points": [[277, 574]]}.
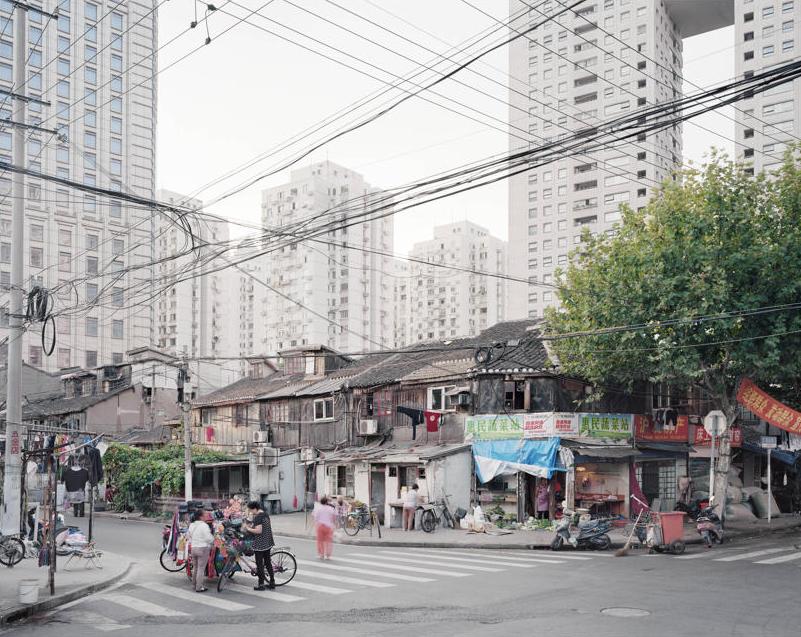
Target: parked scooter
{"points": [[592, 534], [709, 526], [693, 509]]}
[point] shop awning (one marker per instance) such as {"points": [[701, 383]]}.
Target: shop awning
{"points": [[786, 457], [504, 457], [222, 464], [608, 454], [664, 448]]}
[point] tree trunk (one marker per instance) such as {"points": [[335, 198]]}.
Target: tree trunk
{"points": [[723, 459]]}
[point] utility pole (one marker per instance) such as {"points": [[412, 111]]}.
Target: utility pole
{"points": [[186, 424], [12, 480]]}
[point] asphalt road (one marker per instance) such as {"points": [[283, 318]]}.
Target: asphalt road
{"points": [[744, 588]]}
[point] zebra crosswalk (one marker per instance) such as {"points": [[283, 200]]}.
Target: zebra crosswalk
{"points": [[366, 571], [362, 570]]}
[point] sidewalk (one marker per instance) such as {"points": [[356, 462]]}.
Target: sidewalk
{"points": [[296, 525], [78, 581], [299, 525]]}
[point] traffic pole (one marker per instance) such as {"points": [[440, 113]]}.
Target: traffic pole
{"points": [[712, 467], [770, 497], [12, 479]]}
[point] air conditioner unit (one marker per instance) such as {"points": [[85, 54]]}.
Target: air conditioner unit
{"points": [[368, 427], [260, 437], [307, 454], [267, 457]]}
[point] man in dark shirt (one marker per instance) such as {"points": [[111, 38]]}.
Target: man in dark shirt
{"points": [[259, 527]]}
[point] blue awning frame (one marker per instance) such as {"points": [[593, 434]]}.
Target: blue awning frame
{"points": [[782, 455], [506, 457]]}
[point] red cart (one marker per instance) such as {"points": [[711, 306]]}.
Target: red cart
{"points": [[666, 533]]}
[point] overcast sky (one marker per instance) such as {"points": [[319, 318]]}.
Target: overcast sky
{"points": [[249, 91]]}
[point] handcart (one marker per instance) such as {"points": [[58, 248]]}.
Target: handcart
{"points": [[666, 533]]}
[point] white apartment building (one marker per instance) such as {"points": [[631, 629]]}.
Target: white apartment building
{"points": [[434, 302], [195, 315], [248, 296], [345, 297], [576, 71], [83, 65], [767, 33]]}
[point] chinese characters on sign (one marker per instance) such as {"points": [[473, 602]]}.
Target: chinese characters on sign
{"points": [[548, 424], [14, 443], [702, 439], [768, 408], [606, 425], [645, 429], [494, 427]]}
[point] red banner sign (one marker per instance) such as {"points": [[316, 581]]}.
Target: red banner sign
{"points": [[644, 429], [702, 439], [768, 408]]}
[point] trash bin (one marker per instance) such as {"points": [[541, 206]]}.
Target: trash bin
{"points": [[672, 524], [28, 591]]}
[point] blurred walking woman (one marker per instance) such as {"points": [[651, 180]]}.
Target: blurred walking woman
{"points": [[259, 527]]}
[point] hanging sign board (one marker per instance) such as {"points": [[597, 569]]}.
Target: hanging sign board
{"points": [[646, 429], [702, 439], [549, 424], [617, 426], [768, 408], [767, 442], [493, 427]]}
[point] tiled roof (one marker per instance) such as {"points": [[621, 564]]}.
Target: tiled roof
{"points": [[441, 369], [246, 389], [47, 407]]}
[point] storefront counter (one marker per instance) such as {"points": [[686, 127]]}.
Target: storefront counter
{"points": [[601, 504]]}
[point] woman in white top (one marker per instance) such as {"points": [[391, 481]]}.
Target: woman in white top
{"points": [[201, 539], [409, 507]]}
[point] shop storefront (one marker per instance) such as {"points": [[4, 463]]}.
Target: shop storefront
{"points": [[662, 465]]}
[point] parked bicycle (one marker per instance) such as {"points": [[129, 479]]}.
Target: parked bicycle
{"points": [[436, 514], [170, 560], [12, 550], [240, 558], [363, 518]]}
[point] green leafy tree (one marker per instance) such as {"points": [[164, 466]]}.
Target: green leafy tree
{"points": [[138, 475], [717, 241]]}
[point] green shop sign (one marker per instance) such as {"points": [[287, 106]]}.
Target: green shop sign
{"points": [[494, 427], [606, 425]]}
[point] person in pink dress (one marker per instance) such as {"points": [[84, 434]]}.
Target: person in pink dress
{"points": [[325, 517]]}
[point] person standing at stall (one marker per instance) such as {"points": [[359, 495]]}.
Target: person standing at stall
{"points": [[200, 538], [409, 507], [261, 530], [543, 501]]}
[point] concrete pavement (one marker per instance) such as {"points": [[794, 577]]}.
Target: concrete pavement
{"points": [[746, 588]]}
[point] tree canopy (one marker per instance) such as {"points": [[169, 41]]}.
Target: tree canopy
{"points": [[702, 270]]}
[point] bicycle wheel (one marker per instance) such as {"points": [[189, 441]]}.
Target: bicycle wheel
{"points": [[12, 550], [225, 575], [169, 563], [449, 520], [427, 521], [284, 567], [352, 525]]}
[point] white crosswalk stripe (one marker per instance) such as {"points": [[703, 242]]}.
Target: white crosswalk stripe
{"points": [[745, 556], [347, 580], [378, 563], [141, 606], [337, 566], [189, 595], [329, 590], [781, 559], [503, 556], [693, 556], [473, 559], [273, 595], [562, 555], [390, 555]]}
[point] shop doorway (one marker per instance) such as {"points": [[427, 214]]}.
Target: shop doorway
{"points": [[550, 492], [378, 491]]}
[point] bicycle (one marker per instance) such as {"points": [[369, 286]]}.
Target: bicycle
{"points": [[365, 518], [284, 564], [435, 514], [12, 550], [169, 559]]}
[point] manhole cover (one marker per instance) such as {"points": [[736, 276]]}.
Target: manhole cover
{"points": [[625, 612]]}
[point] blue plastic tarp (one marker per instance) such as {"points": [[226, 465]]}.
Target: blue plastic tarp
{"points": [[504, 457]]}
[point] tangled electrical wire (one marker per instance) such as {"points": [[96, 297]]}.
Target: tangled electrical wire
{"points": [[38, 309]]}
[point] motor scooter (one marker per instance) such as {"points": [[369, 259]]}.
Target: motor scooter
{"points": [[709, 526], [592, 534]]}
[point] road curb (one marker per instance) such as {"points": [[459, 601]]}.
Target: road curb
{"points": [[23, 611]]}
